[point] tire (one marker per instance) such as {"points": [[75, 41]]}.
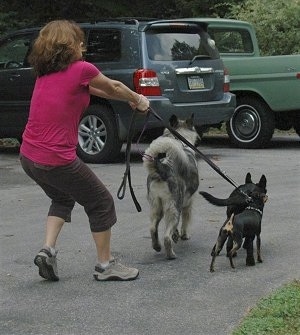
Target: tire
{"points": [[98, 140], [252, 124]]}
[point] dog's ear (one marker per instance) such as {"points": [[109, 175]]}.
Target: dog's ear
{"points": [[190, 122], [248, 179], [173, 121], [263, 182]]}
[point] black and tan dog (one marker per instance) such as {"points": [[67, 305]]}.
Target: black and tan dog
{"points": [[237, 201], [246, 224]]}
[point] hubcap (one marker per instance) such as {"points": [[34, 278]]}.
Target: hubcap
{"points": [[92, 134], [245, 123]]}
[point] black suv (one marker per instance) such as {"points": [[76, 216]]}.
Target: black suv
{"points": [[172, 62]]}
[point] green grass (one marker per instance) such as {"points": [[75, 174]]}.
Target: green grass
{"points": [[277, 314]]}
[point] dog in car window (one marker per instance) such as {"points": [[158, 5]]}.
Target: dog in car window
{"points": [[171, 184]]}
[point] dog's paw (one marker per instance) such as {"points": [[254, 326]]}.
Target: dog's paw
{"points": [[156, 247], [168, 247], [231, 262], [171, 256], [250, 261], [185, 236]]}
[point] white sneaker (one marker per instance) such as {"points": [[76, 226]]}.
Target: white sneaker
{"points": [[46, 262], [115, 271]]}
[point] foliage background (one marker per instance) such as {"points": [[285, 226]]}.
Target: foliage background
{"points": [[277, 22]]}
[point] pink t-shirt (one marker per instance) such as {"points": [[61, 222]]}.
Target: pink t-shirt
{"points": [[57, 104]]}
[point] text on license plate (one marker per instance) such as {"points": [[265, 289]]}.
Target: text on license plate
{"points": [[195, 82]]}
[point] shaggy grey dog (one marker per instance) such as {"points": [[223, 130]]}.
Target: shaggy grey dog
{"points": [[171, 183]]}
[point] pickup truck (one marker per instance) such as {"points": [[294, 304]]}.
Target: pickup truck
{"points": [[267, 88]]}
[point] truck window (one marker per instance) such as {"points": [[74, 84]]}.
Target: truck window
{"points": [[232, 41]]}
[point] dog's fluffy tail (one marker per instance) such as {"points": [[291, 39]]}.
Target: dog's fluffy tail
{"points": [[231, 201], [162, 151]]}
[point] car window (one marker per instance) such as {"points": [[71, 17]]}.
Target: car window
{"points": [[14, 51], [232, 41], [174, 46], [103, 45]]}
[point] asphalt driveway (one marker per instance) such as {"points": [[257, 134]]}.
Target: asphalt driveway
{"points": [[170, 297]]}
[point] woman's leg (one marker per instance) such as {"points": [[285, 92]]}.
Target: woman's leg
{"points": [[102, 241], [76, 182], [59, 212], [53, 228]]}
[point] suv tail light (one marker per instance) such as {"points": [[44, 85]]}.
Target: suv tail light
{"points": [[146, 82], [226, 86]]}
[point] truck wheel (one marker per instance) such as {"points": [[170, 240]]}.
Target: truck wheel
{"points": [[252, 124], [98, 140]]}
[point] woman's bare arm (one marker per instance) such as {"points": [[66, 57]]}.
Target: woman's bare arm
{"points": [[105, 87]]}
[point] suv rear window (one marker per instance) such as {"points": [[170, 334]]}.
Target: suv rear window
{"points": [[171, 45], [103, 45]]}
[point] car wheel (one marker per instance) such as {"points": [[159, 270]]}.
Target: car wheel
{"points": [[252, 124], [98, 140]]}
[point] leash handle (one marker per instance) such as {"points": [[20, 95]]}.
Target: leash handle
{"points": [[122, 188], [127, 175]]}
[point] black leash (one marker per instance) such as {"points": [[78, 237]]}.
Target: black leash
{"points": [[127, 175]]}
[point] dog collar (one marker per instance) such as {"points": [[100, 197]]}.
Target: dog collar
{"points": [[255, 209]]}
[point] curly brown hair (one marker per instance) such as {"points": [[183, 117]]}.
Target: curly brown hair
{"points": [[58, 44]]}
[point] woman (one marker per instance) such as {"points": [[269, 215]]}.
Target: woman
{"points": [[48, 151]]}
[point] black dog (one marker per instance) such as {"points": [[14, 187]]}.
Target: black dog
{"points": [[236, 203], [246, 224]]}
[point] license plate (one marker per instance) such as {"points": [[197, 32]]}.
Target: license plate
{"points": [[195, 83]]}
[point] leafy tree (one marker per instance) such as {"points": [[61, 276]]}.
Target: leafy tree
{"points": [[277, 24], [205, 8], [21, 13]]}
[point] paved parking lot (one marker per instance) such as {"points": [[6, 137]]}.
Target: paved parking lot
{"points": [[170, 297]]}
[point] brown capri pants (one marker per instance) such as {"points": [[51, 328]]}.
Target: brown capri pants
{"points": [[71, 183]]}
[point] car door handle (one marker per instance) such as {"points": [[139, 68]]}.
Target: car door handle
{"points": [[194, 70]]}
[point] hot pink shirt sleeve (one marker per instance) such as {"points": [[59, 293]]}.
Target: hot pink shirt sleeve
{"points": [[89, 71]]}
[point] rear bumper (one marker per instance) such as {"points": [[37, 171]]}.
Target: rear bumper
{"points": [[205, 114]]}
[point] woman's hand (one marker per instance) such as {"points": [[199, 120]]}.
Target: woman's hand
{"points": [[141, 105]]}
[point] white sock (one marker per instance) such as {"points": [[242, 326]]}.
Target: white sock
{"points": [[52, 250], [104, 265]]}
